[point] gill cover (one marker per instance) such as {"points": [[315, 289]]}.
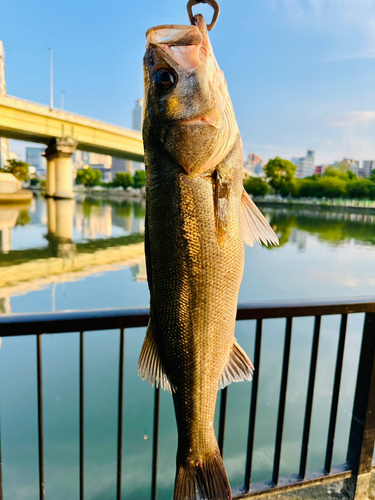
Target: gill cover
{"points": [[190, 48]]}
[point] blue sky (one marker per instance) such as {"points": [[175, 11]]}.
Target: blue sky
{"points": [[301, 73]]}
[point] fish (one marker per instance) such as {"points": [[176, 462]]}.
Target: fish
{"points": [[198, 218]]}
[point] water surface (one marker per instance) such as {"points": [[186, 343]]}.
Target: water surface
{"points": [[322, 254]]}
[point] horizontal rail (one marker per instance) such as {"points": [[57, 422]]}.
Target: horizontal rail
{"points": [[107, 319]]}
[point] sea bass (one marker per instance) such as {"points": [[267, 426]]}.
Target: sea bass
{"points": [[198, 217]]}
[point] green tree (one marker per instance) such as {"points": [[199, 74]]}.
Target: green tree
{"points": [[372, 176], [123, 179], [280, 174], [88, 177], [256, 186], [361, 188], [19, 169], [339, 173], [322, 187], [139, 178], [35, 181]]}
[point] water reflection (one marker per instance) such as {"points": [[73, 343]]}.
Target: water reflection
{"points": [[60, 214], [10, 216], [333, 227]]}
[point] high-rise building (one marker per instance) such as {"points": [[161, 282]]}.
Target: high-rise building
{"points": [[137, 125], [4, 143], [138, 115], [253, 166], [305, 165], [35, 159], [120, 165], [367, 167]]}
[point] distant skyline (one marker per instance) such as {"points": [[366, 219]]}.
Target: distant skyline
{"points": [[300, 72]]}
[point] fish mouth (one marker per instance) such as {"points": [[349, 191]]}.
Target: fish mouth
{"points": [[213, 118]]}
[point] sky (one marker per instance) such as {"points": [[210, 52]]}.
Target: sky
{"points": [[300, 73]]}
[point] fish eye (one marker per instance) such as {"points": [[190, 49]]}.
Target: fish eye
{"points": [[165, 79]]}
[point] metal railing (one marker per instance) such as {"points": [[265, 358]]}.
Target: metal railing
{"points": [[356, 471], [19, 100]]}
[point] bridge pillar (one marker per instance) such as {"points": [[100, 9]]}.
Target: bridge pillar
{"points": [[59, 159], [51, 177]]}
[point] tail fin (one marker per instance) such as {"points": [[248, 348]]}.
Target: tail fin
{"points": [[205, 480]]}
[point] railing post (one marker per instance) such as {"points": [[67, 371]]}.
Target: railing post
{"points": [[362, 431]]}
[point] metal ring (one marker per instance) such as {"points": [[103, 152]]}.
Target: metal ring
{"points": [[213, 4]]}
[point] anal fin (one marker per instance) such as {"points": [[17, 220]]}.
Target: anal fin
{"points": [[150, 367], [238, 368], [255, 226]]}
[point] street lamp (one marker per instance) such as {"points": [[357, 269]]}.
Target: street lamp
{"points": [[62, 99], [51, 79]]}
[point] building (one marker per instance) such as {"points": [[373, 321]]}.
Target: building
{"points": [[138, 115], [137, 125], [352, 165], [320, 169], [120, 165], [367, 167], [305, 165], [35, 159], [4, 143], [254, 165], [106, 172]]}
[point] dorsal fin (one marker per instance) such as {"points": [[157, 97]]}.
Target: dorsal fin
{"points": [[255, 226]]}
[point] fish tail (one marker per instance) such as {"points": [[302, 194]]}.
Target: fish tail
{"points": [[204, 480]]}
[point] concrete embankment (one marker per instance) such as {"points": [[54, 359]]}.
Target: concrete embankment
{"points": [[324, 206]]}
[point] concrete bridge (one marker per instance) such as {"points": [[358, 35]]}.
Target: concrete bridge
{"points": [[63, 133]]}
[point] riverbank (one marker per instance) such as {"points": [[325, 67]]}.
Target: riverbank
{"points": [[319, 204], [19, 197], [109, 194]]}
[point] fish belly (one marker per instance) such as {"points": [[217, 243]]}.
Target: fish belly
{"points": [[194, 284]]}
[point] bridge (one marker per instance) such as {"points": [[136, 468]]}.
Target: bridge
{"points": [[62, 133]]}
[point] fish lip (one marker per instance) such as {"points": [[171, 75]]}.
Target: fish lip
{"points": [[211, 118]]}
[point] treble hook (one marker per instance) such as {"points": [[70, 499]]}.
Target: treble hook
{"points": [[213, 4]]}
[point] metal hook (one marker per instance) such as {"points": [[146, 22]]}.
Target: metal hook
{"points": [[213, 4]]}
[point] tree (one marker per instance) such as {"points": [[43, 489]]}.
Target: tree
{"points": [[339, 173], [256, 186], [280, 174], [360, 188], [372, 175], [88, 177], [322, 187], [139, 178], [19, 169], [123, 179]]}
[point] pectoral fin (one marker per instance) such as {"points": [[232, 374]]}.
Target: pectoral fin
{"points": [[255, 227], [150, 367], [238, 368]]}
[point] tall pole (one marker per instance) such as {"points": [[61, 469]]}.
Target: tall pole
{"points": [[51, 79], [62, 99]]}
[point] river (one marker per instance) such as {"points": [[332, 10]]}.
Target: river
{"points": [[87, 254]]}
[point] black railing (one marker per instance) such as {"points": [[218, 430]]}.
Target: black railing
{"points": [[357, 469]]}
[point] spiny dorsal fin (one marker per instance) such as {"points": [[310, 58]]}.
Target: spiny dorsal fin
{"points": [[150, 367], [255, 227], [238, 368]]}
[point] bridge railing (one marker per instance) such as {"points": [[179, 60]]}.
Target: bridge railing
{"points": [[19, 100], [357, 469]]}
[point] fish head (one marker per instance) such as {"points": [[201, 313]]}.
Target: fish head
{"points": [[187, 103]]}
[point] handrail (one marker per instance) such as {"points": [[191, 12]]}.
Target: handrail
{"points": [[355, 472], [46, 108], [105, 319]]}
